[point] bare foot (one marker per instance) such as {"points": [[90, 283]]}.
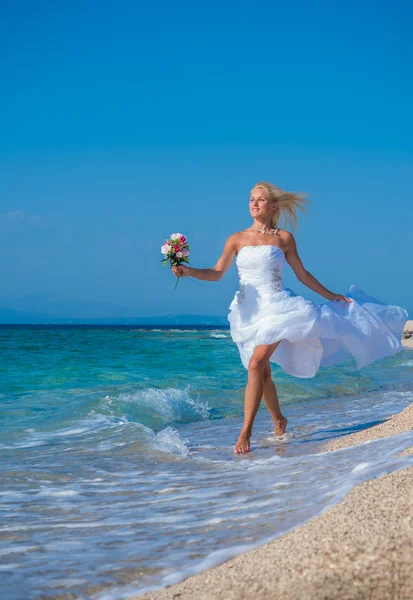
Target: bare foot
{"points": [[243, 444], [281, 426]]}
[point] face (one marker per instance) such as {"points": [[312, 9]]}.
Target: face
{"points": [[260, 205]]}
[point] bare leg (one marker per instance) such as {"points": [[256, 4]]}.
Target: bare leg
{"points": [[271, 400], [253, 393]]}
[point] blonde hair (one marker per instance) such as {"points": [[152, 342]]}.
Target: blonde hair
{"points": [[287, 204]]}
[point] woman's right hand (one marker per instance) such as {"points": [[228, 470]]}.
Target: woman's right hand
{"points": [[180, 270], [336, 297]]}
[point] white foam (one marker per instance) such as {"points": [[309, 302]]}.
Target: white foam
{"points": [[32, 444], [55, 493], [183, 330], [18, 550], [168, 490], [13, 494], [360, 467], [168, 440], [170, 403], [74, 431], [10, 567]]}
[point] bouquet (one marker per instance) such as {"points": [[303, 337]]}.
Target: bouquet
{"points": [[176, 250]]}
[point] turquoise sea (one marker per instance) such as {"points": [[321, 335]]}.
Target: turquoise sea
{"points": [[117, 467]]}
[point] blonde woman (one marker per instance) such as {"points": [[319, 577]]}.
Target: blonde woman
{"points": [[270, 323]]}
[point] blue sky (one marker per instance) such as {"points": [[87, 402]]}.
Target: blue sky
{"points": [[124, 122]]}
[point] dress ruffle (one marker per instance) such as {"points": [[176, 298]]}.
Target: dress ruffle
{"points": [[315, 335]]}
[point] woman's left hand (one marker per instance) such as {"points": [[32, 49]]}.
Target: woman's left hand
{"points": [[340, 297]]}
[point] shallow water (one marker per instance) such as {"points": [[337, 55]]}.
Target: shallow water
{"points": [[116, 448]]}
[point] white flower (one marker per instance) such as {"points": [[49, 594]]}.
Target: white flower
{"points": [[176, 236], [185, 252], [179, 254], [165, 249]]}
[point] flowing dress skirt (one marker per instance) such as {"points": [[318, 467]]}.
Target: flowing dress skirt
{"points": [[316, 335]]}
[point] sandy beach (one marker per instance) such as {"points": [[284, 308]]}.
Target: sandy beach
{"points": [[408, 335], [360, 549]]}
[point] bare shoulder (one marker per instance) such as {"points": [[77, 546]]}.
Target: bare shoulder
{"points": [[287, 239], [236, 240]]}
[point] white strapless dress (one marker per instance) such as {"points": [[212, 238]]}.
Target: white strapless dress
{"points": [[264, 311]]}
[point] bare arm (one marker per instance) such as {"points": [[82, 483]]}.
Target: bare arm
{"points": [[305, 276], [218, 271]]}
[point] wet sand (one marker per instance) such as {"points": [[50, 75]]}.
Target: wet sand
{"points": [[398, 423], [361, 549]]}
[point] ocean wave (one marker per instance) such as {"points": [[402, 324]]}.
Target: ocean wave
{"points": [[281, 492], [100, 436], [145, 416], [157, 407], [168, 440], [181, 330]]}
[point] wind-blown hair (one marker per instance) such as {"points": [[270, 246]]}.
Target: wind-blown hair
{"points": [[287, 204]]}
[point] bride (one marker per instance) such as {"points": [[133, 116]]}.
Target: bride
{"points": [[270, 323]]}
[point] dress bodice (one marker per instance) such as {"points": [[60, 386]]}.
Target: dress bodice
{"points": [[261, 268]]}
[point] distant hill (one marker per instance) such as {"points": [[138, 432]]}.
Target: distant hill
{"points": [[9, 316]]}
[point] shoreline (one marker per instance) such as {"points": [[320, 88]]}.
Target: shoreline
{"points": [[360, 548]]}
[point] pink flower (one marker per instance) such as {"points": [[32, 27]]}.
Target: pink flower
{"points": [[175, 251]]}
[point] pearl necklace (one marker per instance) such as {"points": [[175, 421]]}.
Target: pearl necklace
{"points": [[267, 231]]}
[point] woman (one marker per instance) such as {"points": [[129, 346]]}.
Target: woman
{"points": [[270, 323]]}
